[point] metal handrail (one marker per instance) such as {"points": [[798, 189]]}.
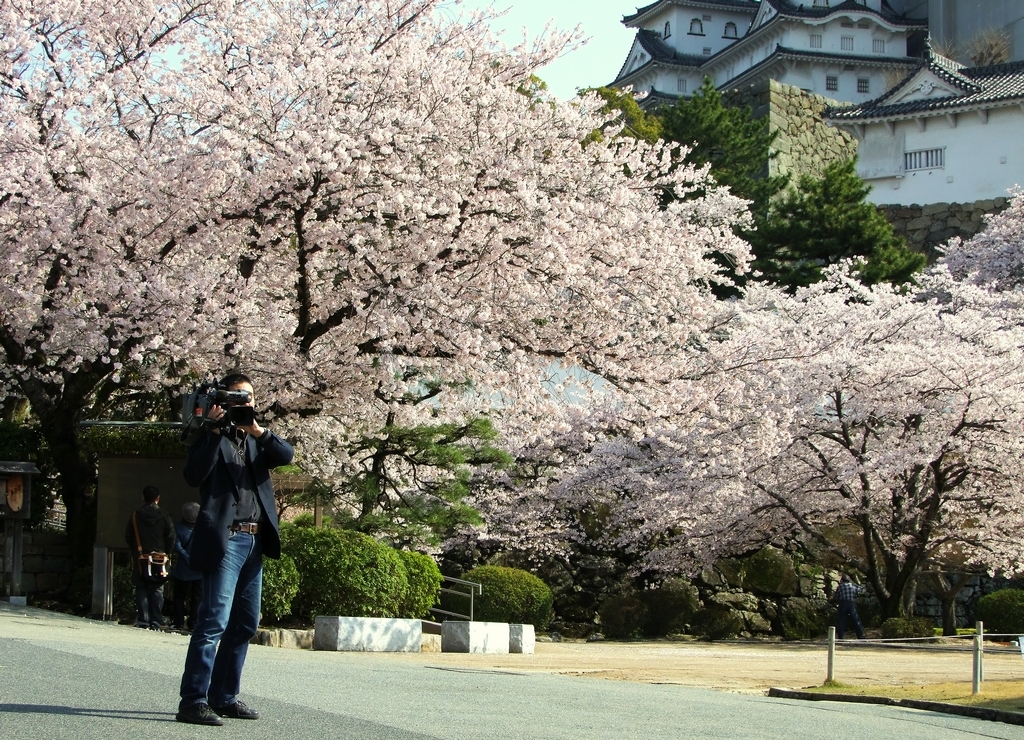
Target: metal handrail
{"points": [[473, 586]]}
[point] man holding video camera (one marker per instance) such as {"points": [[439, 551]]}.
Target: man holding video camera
{"points": [[230, 460]]}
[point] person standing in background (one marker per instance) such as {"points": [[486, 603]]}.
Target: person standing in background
{"points": [[188, 583], [846, 597], [150, 537]]}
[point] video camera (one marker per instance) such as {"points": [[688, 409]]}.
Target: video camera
{"points": [[195, 410]]}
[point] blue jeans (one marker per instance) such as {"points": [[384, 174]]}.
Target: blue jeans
{"points": [[848, 610], [149, 603], [229, 614]]}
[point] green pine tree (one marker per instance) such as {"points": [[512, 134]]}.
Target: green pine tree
{"points": [[736, 145], [825, 220], [637, 123], [415, 480]]}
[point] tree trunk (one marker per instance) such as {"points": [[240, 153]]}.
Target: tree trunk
{"points": [[948, 591], [77, 486], [909, 600]]}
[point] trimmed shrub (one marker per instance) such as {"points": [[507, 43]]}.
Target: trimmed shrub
{"points": [[669, 607], [344, 573], [897, 627], [1003, 611], [280, 585], [623, 616], [511, 595], [424, 585], [716, 623]]}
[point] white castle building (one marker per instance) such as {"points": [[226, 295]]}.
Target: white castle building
{"points": [[849, 51], [945, 133]]}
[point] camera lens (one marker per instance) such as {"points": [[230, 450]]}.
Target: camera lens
{"points": [[241, 416]]}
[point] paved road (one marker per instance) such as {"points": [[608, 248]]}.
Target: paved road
{"points": [[64, 677]]}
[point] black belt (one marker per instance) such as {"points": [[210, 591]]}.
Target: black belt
{"points": [[248, 527]]}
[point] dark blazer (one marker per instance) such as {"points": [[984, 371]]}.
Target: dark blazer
{"points": [[215, 469]]}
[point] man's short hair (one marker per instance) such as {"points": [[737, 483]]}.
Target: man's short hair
{"points": [[150, 494], [232, 379]]}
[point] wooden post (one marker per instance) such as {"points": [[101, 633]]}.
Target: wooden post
{"points": [[13, 548]]}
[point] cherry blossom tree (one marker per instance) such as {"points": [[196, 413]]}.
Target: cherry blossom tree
{"points": [[996, 254], [355, 201], [894, 416]]}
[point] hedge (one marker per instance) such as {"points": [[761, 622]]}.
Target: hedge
{"points": [[1003, 611], [424, 578], [511, 595], [280, 585], [344, 573]]}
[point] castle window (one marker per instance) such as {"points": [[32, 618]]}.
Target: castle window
{"points": [[730, 30], [846, 43], [878, 46], [820, 3], [707, 51], [815, 40], [680, 84], [696, 27], [707, 18], [831, 83], [668, 29], [924, 159], [863, 85]]}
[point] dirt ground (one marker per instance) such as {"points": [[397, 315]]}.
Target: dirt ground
{"points": [[743, 666]]}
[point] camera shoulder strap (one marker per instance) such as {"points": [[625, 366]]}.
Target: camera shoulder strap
{"points": [[135, 526]]}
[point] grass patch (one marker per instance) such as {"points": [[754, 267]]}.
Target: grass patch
{"points": [[831, 685], [1005, 695]]}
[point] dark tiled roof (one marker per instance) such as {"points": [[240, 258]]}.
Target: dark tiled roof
{"points": [[806, 9], [750, 5], [661, 53], [851, 58], [656, 98], [980, 87], [783, 51], [654, 45]]}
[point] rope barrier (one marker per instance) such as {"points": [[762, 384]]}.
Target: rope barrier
{"points": [[933, 643]]}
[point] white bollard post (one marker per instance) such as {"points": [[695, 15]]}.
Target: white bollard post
{"points": [[831, 674], [976, 681], [980, 627]]}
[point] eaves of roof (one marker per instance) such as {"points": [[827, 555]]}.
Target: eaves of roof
{"points": [[993, 86], [782, 53], [661, 53], [807, 10], [747, 5]]}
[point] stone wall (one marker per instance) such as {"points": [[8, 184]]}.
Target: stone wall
{"points": [[930, 226], [45, 561], [805, 144]]}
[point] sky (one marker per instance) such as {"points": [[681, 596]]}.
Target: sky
{"points": [[595, 63]]}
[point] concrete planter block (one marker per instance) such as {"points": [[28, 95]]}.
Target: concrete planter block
{"points": [[367, 634], [474, 637], [431, 643], [521, 638]]}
